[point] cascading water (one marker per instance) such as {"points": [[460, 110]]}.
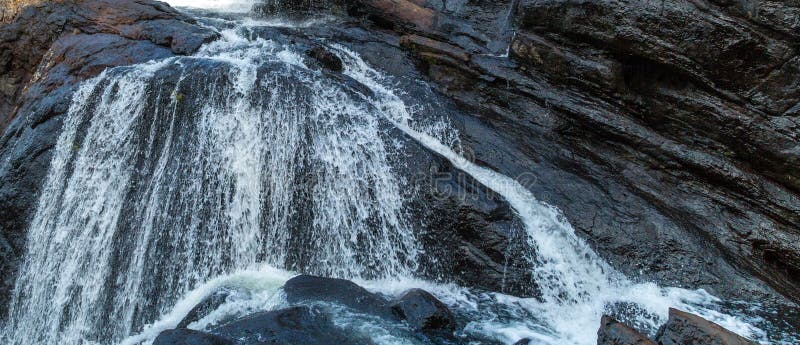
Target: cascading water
{"points": [[175, 177], [152, 193]]}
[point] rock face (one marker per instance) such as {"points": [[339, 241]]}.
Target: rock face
{"points": [[688, 329], [613, 332], [45, 51], [667, 133]]}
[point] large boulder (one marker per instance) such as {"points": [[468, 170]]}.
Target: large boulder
{"points": [[684, 328], [309, 289], [300, 325]]}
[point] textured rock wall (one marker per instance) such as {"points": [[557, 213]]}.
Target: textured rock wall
{"points": [[666, 131]]}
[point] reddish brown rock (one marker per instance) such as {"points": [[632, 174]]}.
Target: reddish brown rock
{"points": [[684, 328], [423, 44], [613, 332], [404, 12]]}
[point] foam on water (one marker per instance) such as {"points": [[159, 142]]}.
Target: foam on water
{"points": [[230, 6], [262, 284]]}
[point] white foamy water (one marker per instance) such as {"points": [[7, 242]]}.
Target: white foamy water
{"points": [[174, 179], [231, 6]]}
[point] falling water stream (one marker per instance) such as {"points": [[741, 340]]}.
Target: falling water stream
{"points": [[239, 165]]}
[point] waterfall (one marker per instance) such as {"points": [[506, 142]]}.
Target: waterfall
{"points": [[170, 173], [173, 177]]}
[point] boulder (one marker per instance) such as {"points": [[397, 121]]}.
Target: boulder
{"points": [[684, 328], [300, 325], [309, 289], [613, 332], [189, 337], [424, 312]]}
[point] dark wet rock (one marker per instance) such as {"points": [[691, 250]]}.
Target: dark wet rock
{"points": [[398, 14], [684, 328], [424, 312], [45, 51], [524, 341], [299, 9], [300, 325], [326, 58], [666, 136], [206, 306], [613, 332], [306, 288], [189, 337]]}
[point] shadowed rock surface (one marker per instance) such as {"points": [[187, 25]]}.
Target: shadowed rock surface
{"points": [[423, 311]]}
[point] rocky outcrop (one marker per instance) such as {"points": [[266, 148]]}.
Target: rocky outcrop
{"points": [[667, 133], [45, 51]]}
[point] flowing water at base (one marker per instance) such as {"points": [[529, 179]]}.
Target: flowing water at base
{"points": [[177, 178]]}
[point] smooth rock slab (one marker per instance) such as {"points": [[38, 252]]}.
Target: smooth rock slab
{"points": [[684, 328]]}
